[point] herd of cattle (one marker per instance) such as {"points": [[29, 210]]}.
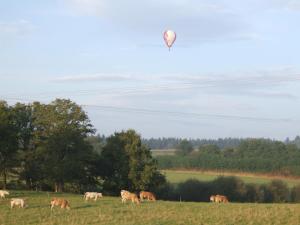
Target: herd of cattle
{"points": [[125, 195]]}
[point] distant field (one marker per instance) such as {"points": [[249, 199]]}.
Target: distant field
{"points": [[179, 176], [157, 152], [110, 211]]}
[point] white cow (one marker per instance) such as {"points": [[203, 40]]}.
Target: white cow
{"points": [[92, 195], [17, 202], [3, 193]]}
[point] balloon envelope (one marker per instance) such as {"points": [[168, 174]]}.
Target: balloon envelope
{"points": [[169, 37]]}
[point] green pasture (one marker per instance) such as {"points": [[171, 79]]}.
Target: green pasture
{"points": [[110, 210]]}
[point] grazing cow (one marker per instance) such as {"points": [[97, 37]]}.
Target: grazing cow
{"points": [[64, 204], [212, 198], [221, 198], [147, 195], [3, 193], [17, 202], [92, 195], [126, 195]]}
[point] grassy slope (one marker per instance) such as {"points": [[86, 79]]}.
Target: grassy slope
{"points": [[110, 210], [176, 176]]}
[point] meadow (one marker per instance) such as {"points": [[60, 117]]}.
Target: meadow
{"points": [[110, 210], [177, 176]]}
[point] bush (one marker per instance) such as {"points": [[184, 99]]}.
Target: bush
{"points": [[295, 194], [252, 193], [194, 190], [234, 188], [279, 191]]}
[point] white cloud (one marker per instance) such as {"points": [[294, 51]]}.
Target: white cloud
{"points": [[255, 84], [196, 19], [94, 77], [15, 28]]}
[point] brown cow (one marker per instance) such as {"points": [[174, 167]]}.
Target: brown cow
{"points": [[147, 195], [221, 198], [64, 204], [126, 195], [212, 198]]}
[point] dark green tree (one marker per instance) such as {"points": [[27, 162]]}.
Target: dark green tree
{"points": [[61, 129], [128, 164], [8, 142], [184, 148]]}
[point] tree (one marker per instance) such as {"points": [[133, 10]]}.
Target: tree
{"points": [[24, 120], [128, 164], [295, 193], [8, 141], [279, 191], [61, 129], [184, 148]]}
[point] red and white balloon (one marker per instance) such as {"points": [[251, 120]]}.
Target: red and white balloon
{"points": [[170, 38]]}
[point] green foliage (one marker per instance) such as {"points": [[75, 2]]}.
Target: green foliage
{"points": [[8, 141], [295, 194], [252, 155], [171, 143], [184, 148], [232, 187], [47, 145], [194, 190], [128, 164], [279, 191]]}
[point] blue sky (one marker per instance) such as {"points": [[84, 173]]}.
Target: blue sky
{"points": [[233, 71]]}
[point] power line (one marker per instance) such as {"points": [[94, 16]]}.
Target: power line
{"points": [[185, 114], [145, 111]]}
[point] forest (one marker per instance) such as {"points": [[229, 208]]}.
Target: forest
{"points": [[50, 147], [251, 155]]}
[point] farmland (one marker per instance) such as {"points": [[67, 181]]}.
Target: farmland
{"points": [[110, 210], [177, 176]]}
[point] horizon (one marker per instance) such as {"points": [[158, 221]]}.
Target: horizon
{"points": [[232, 72]]}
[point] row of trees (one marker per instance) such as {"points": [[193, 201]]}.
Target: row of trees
{"points": [[234, 188], [171, 143], [251, 155], [50, 146]]}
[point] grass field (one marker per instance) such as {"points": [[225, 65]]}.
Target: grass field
{"points": [[110, 210], [177, 176], [158, 152]]}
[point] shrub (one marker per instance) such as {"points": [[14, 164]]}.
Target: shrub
{"points": [[295, 194]]}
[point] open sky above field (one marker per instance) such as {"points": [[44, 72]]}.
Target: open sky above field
{"points": [[233, 71]]}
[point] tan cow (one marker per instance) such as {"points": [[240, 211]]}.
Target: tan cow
{"points": [[212, 198], [221, 198], [3, 193], [17, 202], [92, 195], [64, 204], [147, 195], [126, 195]]}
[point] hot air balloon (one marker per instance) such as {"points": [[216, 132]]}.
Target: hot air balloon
{"points": [[169, 37]]}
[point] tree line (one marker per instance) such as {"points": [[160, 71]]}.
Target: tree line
{"points": [[251, 155], [234, 188], [171, 143], [53, 147]]}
